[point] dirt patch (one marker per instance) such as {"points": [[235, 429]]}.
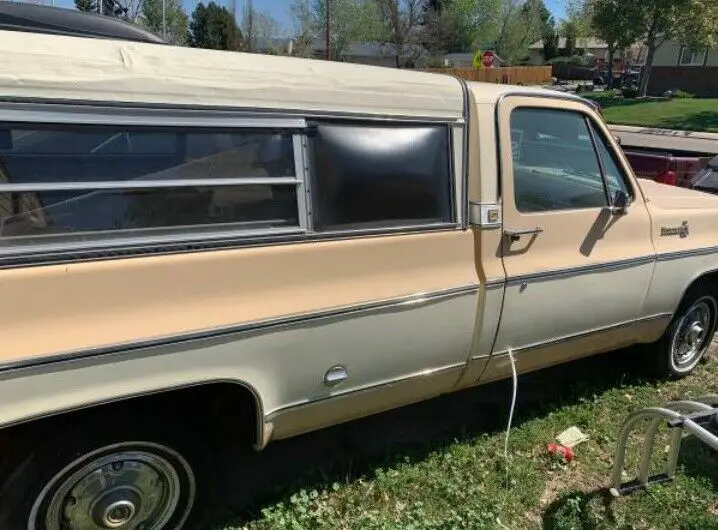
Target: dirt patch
{"points": [[562, 481]]}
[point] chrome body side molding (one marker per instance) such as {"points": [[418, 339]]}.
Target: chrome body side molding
{"points": [[415, 299]]}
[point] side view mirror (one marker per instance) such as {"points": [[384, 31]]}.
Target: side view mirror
{"points": [[620, 201]]}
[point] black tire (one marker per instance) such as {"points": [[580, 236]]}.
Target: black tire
{"points": [[675, 359], [154, 477]]}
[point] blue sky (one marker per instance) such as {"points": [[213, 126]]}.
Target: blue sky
{"points": [[279, 9]]}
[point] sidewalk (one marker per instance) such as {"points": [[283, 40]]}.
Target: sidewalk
{"points": [[655, 138]]}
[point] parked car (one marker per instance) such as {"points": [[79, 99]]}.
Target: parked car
{"points": [[202, 249], [663, 166], [707, 179]]}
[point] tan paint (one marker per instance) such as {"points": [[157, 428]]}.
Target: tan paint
{"points": [[394, 356], [670, 207], [499, 366], [284, 366], [345, 408], [87, 305], [538, 310]]}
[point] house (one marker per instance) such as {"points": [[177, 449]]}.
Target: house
{"points": [[680, 67], [372, 53], [586, 45], [274, 46]]}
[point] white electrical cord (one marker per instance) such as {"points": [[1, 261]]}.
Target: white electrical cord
{"points": [[513, 402]]}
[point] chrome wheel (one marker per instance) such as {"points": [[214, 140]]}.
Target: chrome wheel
{"points": [[130, 486], [693, 334]]}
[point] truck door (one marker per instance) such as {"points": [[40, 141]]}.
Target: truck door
{"points": [[577, 269]]}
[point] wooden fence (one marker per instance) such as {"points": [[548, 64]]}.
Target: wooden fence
{"points": [[508, 75]]}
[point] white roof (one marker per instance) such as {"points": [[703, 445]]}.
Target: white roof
{"points": [[35, 65]]}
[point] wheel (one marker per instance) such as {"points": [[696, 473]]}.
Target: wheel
{"points": [[100, 483], [689, 334]]}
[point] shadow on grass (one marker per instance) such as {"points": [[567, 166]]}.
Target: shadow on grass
{"points": [[700, 121], [697, 459], [578, 510], [346, 452]]}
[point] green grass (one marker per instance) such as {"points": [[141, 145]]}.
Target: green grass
{"points": [[691, 114], [439, 465]]}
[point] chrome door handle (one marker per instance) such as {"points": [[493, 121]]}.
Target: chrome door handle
{"points": [[514, 235]]}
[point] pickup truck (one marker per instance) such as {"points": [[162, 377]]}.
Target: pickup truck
{"points": [[664, 167], [707, 179], [205, 248]]}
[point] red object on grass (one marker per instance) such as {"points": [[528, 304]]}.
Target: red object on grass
{"points": [[558, 449]]}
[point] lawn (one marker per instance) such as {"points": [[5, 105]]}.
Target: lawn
{"points": [[439, 464], [691, 114]]}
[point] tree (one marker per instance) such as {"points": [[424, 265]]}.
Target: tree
{"points": [[570, 32], [305, 27], [110, 8], [85, 5], [616, 23], [691, 22], [550, 42], [258, 28], [458, 25], [349, 21], [520, 24], [578, 14], [175, 20], [401, 19], [214, 27]]}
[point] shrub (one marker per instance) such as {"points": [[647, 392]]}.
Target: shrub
{"points": [[629, 92]]}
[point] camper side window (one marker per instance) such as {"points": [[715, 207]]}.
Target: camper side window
{"points": [[97, 183], [376, 175]]}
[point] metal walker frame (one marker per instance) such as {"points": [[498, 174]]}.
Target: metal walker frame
{"points": [[693, 417]]}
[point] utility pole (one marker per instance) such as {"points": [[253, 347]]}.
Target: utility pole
{"points": [[164, 21], [249, 27], [327, 43]]}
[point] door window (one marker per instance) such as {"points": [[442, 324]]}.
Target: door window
{"points": [[615, 179], [554, 160]]}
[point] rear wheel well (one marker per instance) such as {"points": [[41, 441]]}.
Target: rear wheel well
{"points": [[225, 412], [707, 279]]}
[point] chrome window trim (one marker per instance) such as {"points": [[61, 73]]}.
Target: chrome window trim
{"points": [[409, 301], [212, 242], [135, 243], [200, 112], [147, 184], [92, 114], [465, 163], [302, 178]]}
